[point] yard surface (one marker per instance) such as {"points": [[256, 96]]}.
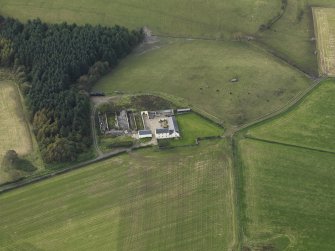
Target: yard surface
{"points": [[14, 132], [180, 199], [193, 126], [287, 168], [202, 79], [324, 19]]}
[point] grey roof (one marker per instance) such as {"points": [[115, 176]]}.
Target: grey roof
{"points": [[166, 111], [184, 110], [173, 125], [144, 132], [162, 130]]}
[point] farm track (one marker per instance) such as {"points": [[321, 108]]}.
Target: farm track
{"points": [[236, 172], [295, 100], [289, 145]]}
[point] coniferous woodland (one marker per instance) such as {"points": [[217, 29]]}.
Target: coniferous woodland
{"points": [[57, 64]]}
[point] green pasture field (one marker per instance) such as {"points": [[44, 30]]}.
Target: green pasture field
{"points": [[181, 199], [287, 169], [289, 197], [324, 22], [199, 72], [310, 124], [193, 126], [292, 36], [14, 131], [210, 18]]}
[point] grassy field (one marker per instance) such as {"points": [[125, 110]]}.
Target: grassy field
{"points": [[324, 19], [200, 72], [291, 37], [311, 124], [193, 126], [288, 189], [14, 131], [211, 18], [148, 200], [289, 196]]}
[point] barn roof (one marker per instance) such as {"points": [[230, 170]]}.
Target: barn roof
{"points": [[184, 110], [162, 130], [144, 132], [173, 125]]}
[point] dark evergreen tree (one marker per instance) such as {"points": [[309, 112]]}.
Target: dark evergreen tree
{"points": [[58, 64]]}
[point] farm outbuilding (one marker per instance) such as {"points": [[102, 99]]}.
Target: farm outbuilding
{"points": [[162, 133], [144, 134], [171, 132], [184, 110]]}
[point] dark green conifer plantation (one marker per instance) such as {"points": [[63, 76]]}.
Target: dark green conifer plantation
{"points": [[60, 62]]}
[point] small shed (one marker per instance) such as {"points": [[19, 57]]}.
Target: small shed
{"points": [[183, 110], [144, 134]]}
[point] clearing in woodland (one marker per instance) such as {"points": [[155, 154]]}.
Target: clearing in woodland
{"points": [[14, 131], [181, 199], [324, 21]]}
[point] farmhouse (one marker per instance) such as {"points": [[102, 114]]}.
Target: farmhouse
{"points": [[171, 132], [144, 134], [163, 123]]}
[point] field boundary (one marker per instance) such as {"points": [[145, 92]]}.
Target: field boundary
{"points": [[238, 134], [275, 54], [291, 104], [31, 180], [288, 144]]}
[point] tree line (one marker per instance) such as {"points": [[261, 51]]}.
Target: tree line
{"points": [[57, 65]]}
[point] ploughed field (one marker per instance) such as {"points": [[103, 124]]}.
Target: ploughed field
{"points": [[179, 199], [324, 22], [287, 168]]}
